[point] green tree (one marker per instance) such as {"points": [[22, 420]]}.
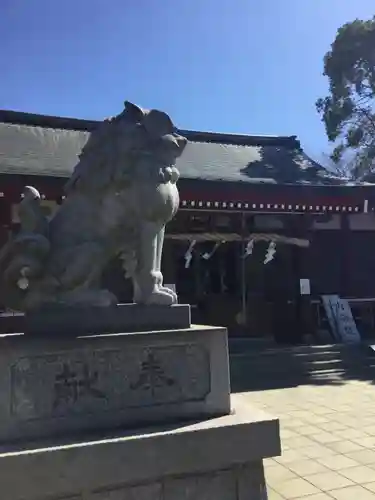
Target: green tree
{"points": [[341, 168], [348, 112]]}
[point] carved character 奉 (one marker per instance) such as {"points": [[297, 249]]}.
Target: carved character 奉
{"points": [[118, 200]]}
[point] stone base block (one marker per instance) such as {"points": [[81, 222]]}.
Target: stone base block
{"points": [[57, 321], [61, 386], [217, 459]]}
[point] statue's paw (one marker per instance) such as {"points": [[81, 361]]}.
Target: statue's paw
{"points": [[165, 289], [160, 298]]}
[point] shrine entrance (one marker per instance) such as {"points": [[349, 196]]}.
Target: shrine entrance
{"points": [[207, 274], [274, 305], [251, 285]]}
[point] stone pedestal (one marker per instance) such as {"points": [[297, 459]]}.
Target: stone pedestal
{"points": [[64, 386], [214, 459], [143, 416], [72, 321]]}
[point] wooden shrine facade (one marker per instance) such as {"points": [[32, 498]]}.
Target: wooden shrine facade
{"points": [[242, 198]]}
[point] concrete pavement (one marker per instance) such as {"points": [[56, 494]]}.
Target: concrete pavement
{"points": [[328, 439]]}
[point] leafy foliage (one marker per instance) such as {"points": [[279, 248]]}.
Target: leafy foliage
{"points": [[339, 166], [348, 112]]}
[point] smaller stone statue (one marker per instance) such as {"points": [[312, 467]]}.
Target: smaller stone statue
{"points": [[118, 200]]}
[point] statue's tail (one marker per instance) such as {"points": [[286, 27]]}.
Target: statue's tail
{"points": [[22, 263], [23, 257]]}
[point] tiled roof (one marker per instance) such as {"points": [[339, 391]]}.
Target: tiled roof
{"points": [[42, 145]]}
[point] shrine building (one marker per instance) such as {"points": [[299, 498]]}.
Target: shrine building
{"points": [[262, 232]]}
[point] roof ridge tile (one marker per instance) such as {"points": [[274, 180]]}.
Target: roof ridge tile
{"points": [[68, 123]]}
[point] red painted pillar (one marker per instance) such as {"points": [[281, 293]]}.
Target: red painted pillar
{"points": [[5, 220]]}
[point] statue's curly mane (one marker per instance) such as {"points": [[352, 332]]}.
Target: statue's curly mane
{"points": [[114, 149], [101, 163]]}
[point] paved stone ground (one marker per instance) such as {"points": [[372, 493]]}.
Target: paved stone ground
{"points": [[328, 441]]}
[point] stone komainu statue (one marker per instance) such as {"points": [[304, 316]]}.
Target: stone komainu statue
{"points": [[118, 200]]}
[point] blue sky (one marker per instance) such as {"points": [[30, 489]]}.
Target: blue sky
{"points": [[241, 66]]}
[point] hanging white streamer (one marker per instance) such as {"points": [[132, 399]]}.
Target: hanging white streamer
{"points": [[249, 248], [208, 255], [270, 255], [189, 254]]}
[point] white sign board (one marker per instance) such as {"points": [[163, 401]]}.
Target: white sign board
{"points": [[304, 286], [341, 319]]}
